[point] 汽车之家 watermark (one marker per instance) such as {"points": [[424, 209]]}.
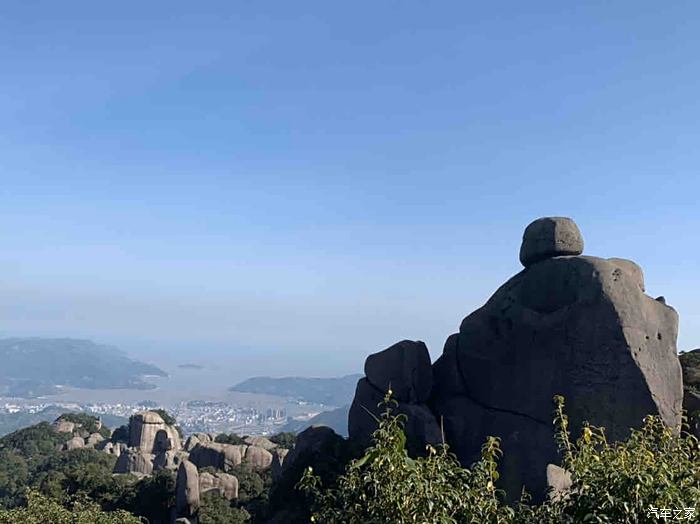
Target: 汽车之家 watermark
{"points": [[671, 514]]}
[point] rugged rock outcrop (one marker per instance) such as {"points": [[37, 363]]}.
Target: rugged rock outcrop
{"points": [[74, 443], [260, 442], [198, 438], [570, 325], [187, 491], [149, 432], [405, 369], [216, 455], [257, 458], [314, 441], [223, 483], [135, 461]]}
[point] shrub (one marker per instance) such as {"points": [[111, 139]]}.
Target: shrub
{"points": [[387, 486], [229, 438], [284, 440], [42, 510], [620, 483], [215, 509]]}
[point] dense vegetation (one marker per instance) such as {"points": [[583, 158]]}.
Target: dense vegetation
{"points": [[43, 510], [229, 438], [30, 460], [622, 482], [87, 422]]}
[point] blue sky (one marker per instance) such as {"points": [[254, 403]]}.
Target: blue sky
{"points": [[294, 185]]}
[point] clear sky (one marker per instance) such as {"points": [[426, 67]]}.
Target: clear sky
{"points": [[293, 185]]}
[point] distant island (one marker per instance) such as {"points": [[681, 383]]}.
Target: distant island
{"points": [[337, 391], [33, 367], [190, 366]]}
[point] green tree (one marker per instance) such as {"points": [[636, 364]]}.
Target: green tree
{"points": [[43, 510], [285, 439], [229, 438], [215, 509]]}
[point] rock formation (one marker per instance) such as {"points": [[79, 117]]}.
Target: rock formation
{"points": [[152, 445], [223, 483], [135, 461], [570, 325], [187, 491], [314, 441], [144, 427], [405, 368], [216, 455]]}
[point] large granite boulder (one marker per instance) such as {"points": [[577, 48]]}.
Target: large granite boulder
{"points": [[213, 454], [314, 441], [187, 491], [74, 443], [197, 438], [145, 427], [576, 326], [63, 426], [550, 237], [223, 483], [170, 459], [260, 442], [257, 458], [405, 369], [135, 461], [93, 440]]}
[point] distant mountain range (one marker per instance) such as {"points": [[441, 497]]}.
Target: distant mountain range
{"points": [[337, 391], [31, 367]]}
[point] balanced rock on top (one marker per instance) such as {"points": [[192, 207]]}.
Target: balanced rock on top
{"points": [[550, 237]]}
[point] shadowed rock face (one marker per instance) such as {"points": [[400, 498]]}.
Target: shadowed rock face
{"points": [[149, 433], [405, 368], [569, 325]]}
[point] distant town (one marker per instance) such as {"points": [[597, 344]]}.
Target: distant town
{"points": [[192, 416]]}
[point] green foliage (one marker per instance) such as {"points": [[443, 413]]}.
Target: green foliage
{"points": [[619, 482], [167, 417], [169, 420], [615, 483], [30, 458], [387, 486], [250, 482], [215, 509], [690, 364], [87, 422], [35, 441], [285, 439], [43, 510], [229, 438]]}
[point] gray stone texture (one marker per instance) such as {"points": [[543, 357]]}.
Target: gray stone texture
{"points": [[568, 324], [550, 237], [187, 490]]}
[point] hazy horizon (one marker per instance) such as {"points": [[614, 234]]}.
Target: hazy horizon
{"points": [[287, 190]]}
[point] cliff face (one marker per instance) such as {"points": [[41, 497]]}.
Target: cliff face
{"points": [[568, 324]]}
